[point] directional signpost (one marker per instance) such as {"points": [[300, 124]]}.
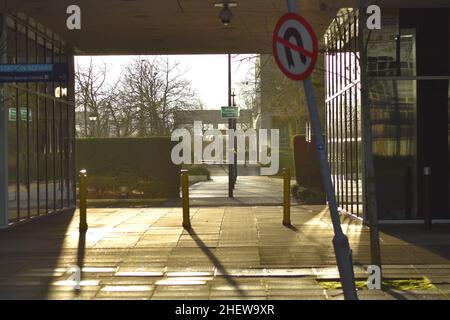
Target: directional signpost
{"points": [[229, 112], [12, 114], [25, 114], [295, 51]]}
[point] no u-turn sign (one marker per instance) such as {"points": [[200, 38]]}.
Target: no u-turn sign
{"points": [[294, 46]]}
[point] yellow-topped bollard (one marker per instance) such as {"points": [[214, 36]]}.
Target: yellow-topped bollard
{"points": [[185, 199], [83, 197], [286, 197]]}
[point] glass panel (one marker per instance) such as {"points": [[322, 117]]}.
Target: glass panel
{"points": [[407, 52], [382, 46], [57, 155], [51, 154], [71, 126], [12, 157], [32, 148], [63, 155], [42, 153], [21, 44], [39, 131], [393, 112], [23, 153]]}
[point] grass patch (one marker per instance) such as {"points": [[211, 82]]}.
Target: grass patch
{"points": [[333, 285], [398, 284], [410, 284]]}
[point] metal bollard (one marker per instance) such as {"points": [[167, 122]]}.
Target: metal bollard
{"points": [[286, 197], [83, 196], [427, 202], [185, 199]]}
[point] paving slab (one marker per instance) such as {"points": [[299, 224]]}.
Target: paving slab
{"points": [[230, 253]]}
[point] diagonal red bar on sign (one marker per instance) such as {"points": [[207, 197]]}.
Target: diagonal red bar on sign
{"points": [[294, 47]]}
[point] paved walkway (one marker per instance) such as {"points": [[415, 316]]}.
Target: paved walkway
{"points": [[249, 191], [231, 253]]}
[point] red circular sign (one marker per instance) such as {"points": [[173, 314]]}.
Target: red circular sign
{"points": [[296, 60]]}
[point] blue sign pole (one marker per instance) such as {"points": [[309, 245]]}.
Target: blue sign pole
{"points": [[340, 241]]}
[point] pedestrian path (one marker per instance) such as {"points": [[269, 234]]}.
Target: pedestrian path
{"points": [[249, 191], [230, 253]]}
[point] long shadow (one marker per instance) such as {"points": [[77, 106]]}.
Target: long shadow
{"points": [[293, 228], [216, 262], [80, 255], [394, 294], [29, 255], [435, 241]]}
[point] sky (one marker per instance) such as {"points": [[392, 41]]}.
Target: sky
{"points": [[207, 73]]}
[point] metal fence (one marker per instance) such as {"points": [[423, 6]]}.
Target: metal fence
{"points": [[343, 110]]}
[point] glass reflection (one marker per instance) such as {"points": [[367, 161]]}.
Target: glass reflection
{"points": [[39, 143]]}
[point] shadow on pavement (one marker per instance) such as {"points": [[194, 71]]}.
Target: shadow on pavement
{"points": [[394, 294], [435, 242], [216, 262], [81, 254], [30, 254]]}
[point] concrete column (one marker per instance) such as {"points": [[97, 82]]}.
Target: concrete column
{"points": [[3, 131]]}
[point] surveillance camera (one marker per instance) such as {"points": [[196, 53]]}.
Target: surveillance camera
{"points": [[225, 15]]}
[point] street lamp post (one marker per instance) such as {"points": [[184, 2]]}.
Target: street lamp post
{"points": [[230, 136]]}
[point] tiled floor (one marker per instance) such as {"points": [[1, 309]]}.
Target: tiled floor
{"points": [[231, 253]]}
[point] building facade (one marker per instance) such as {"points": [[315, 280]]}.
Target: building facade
{"points": [[37, 125], [400, 75]]}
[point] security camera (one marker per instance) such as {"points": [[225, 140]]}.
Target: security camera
{"points": [[225, 14]]}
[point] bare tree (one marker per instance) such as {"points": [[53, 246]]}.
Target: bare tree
{"points": [[93, 98], [157, 89], [266, 89]]}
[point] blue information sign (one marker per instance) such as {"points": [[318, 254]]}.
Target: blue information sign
{"points": [[34, 72]]}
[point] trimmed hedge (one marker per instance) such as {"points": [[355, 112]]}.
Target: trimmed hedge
{"points": [[131, 167], [199, 170]]}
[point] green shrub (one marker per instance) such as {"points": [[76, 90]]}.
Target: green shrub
{"points": [[120, 186], [312, 195], [129, 167], [199, 170]]}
